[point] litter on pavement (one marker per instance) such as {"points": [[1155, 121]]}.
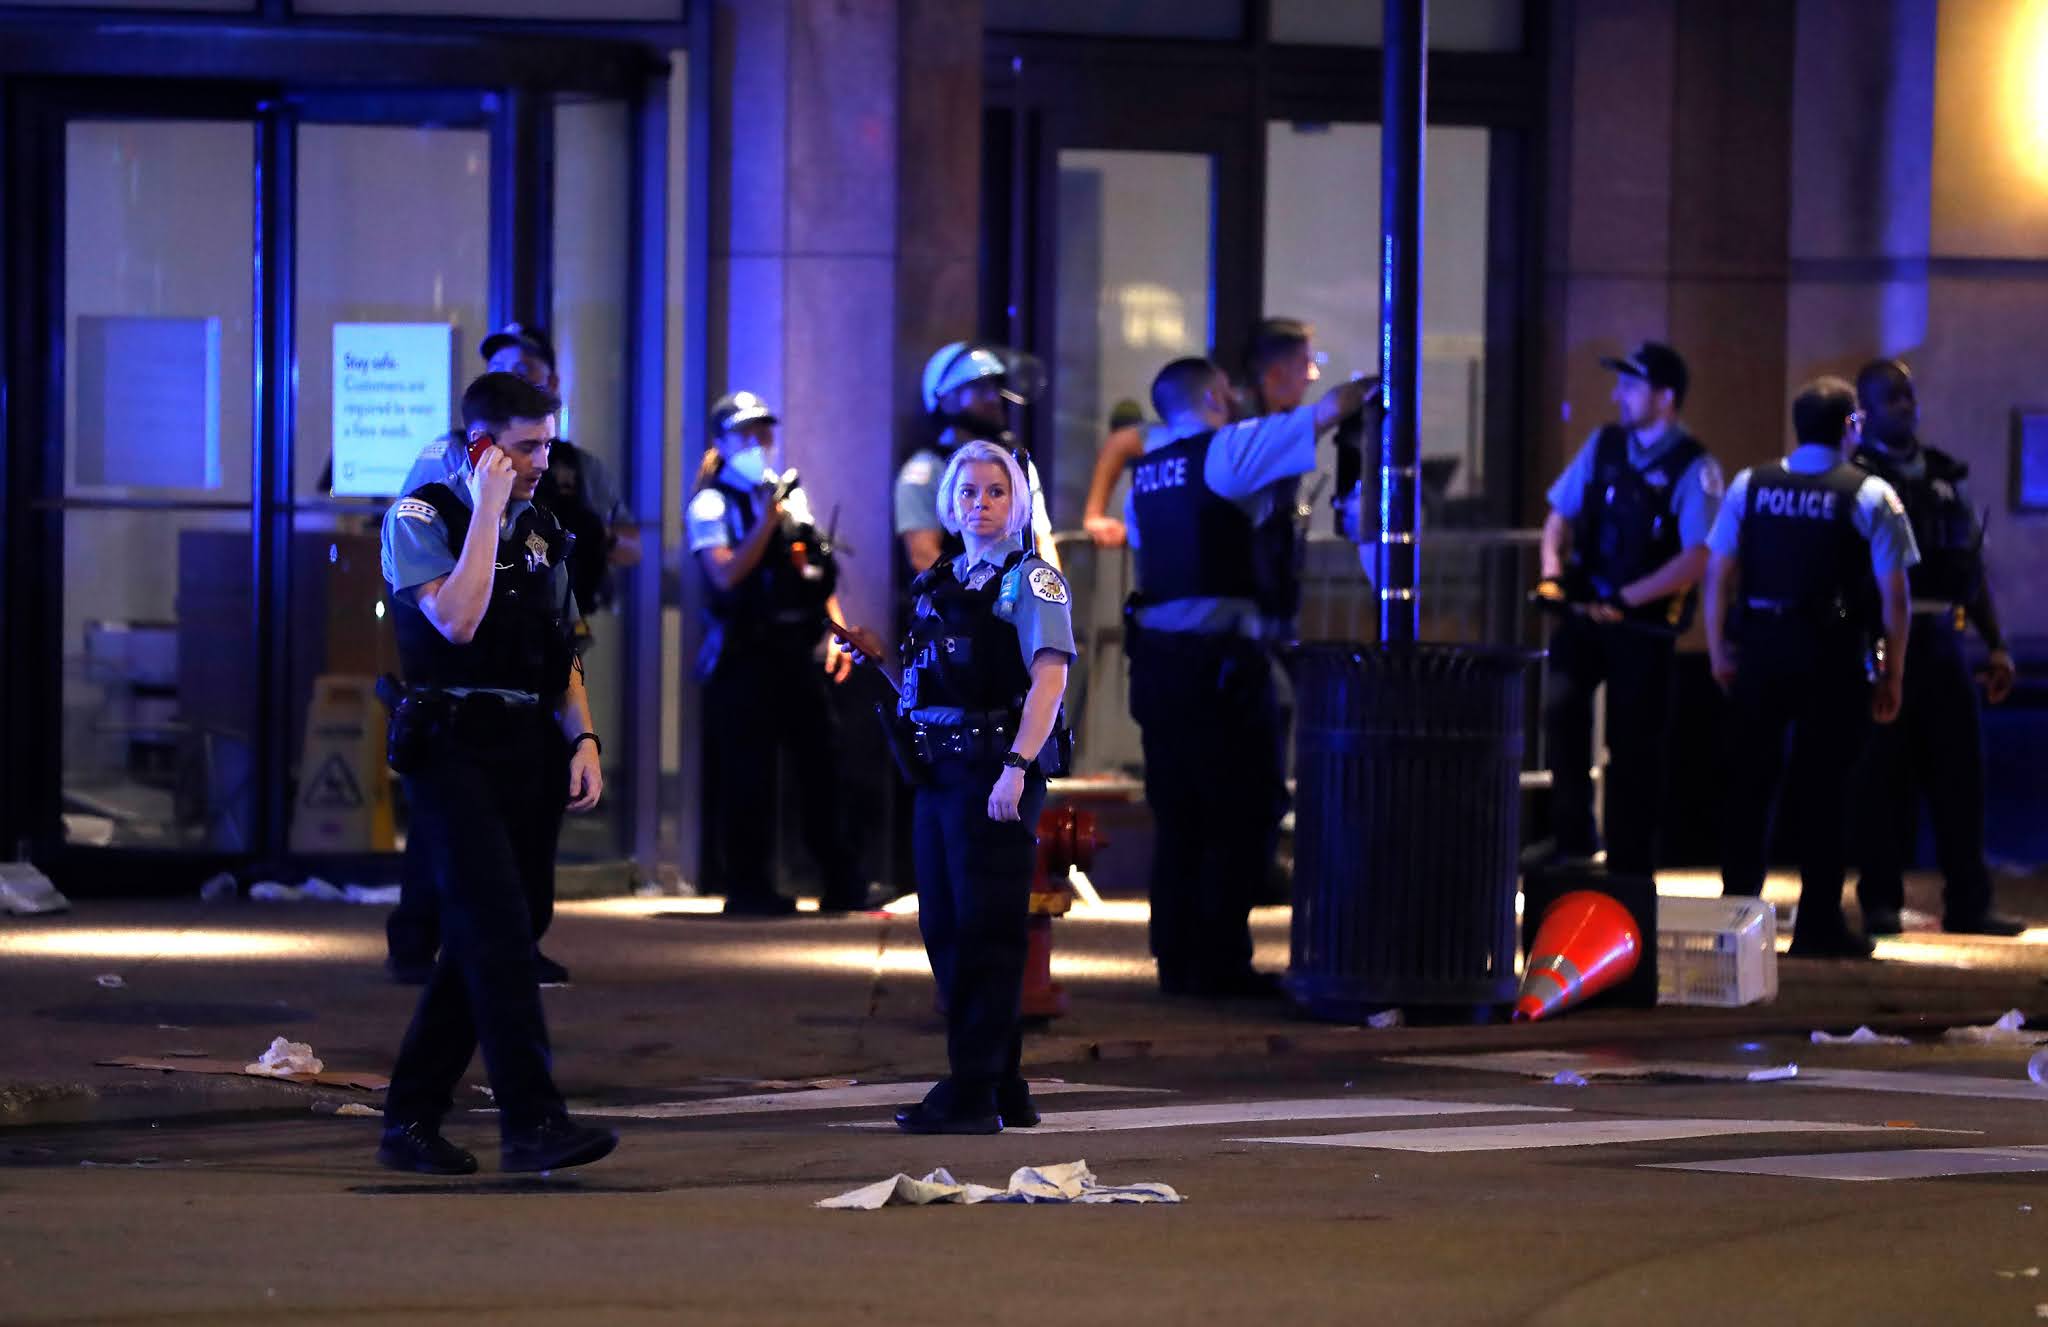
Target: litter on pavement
{"points": [[27, 892], [2009, 1030], [316, 890], [1072, 1182], [1862, 1036], [283, 1058]]}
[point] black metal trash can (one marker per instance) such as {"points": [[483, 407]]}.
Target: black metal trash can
{"points": [[1407, 826]]}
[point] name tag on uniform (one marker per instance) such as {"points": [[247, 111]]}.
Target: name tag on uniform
{"points": [[1152, 476], [1801, 504]]}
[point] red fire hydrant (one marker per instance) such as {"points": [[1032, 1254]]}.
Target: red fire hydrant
{"points": [[1067, 837]]}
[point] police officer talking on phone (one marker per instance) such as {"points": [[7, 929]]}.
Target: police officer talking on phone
{"points": [[492, 735]]}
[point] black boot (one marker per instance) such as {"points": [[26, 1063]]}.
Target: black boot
{"points": [[955, 1108], [556, 1144], [1014, 1104]]}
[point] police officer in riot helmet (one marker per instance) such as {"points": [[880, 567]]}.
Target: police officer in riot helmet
{"points": [[979, 727], [1199, 631], [1623, 546], [966, 389], [492, 735], [1807, 566], [768, 663], [1936, 748]]}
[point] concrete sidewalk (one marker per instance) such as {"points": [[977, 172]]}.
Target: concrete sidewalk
{"points": [[668, 1002]]}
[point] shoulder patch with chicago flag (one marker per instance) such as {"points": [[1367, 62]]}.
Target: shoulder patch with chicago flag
{"points": [[1046, 584], [416, 509]]}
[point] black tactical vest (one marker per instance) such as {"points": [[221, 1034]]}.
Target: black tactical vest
{"points": [[1804, 566], [958, 652], [1627, 526], [786, 591], [1192, 543], [524, 640], [1951, 566], [564, 490]]}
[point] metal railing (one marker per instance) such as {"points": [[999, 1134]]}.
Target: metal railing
{"points": [[1474, 588]]}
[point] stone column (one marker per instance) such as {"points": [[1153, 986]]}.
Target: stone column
{"points": [[846, 151]]}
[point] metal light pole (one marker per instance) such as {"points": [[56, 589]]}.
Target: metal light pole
{"points": [[1404, 96]]}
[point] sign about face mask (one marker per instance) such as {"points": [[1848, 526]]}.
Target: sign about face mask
{"points": [[393, 395]]}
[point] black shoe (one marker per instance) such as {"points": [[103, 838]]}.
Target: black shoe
{"points": [[767, 905], [1988, 924], [410, 971], [557, 1144], [870, 898], [1243, 984], [1014, 1104], [549, 972], [921, 1119], [1882, 921], [420, 1148], [1843, 943]]}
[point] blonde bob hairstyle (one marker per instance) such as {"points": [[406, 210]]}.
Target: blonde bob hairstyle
{"points": [[994, 454]]}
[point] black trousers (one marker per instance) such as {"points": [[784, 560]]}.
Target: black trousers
{"points": [[1636, 666], [973, 908], [488, 809], [1215, 778], [1935, 749], [412, 933], [762, 700], [1798, 715]]}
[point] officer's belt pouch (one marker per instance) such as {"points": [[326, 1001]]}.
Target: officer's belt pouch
{"points": [[971, 740], [419, 722]]}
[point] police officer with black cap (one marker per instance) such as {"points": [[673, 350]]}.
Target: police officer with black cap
{"points": [[1623, 546], [1808, 557], [578, 489], [770, 575], [493, 738], [1937, 747], [979, 728], [965, 387], [1201, 688]]}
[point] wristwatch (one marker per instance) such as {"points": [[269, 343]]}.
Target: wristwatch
{"points": [[1016, 760]]}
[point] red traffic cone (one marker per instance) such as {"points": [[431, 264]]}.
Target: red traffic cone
{"points": [[1586, 943]]}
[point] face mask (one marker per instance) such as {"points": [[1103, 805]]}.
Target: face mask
{"points": [[752, 466]]}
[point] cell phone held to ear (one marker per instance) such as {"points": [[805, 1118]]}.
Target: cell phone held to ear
{"points": [[478, 445]]}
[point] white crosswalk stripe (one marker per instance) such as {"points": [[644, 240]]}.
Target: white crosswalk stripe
{"points": [[1561, 1133], [1298, 1110], [833, 1098], [1865, 1167], [1546, 1064]]}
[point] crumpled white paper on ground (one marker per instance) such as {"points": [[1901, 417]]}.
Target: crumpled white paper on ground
{"points": [[1862, 1036], [2009, 1030], [286, 1057], [1072, 1182]]}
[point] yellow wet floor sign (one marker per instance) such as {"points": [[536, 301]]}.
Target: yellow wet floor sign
{"points": [[344, 798]]}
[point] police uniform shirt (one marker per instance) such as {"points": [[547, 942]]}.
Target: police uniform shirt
{"points": [[445, 458], [917, 495], [1247, 464], [1033, 599], [1697, 499], [1914, 468], [1880, 517], [415, 546], [712, 522]]}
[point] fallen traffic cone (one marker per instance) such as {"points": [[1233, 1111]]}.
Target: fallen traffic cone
{"points": [[1586, 943]]}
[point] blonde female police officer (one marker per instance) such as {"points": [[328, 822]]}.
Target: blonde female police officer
{"points": [[985, 666]]}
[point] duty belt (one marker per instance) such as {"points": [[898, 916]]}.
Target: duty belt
{"points": [[972, 740], [1942, 610]]}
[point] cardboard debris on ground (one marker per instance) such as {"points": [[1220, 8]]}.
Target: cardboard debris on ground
{"points": [[329, 1078], [1072, 1182]]}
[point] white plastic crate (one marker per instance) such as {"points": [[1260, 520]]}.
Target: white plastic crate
{"points": [[1716, 951]]}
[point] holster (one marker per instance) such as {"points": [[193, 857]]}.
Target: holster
{"points": [[420, 721], [893, 734]]}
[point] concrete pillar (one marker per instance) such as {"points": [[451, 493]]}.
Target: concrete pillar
{"points": [[845, 210]]}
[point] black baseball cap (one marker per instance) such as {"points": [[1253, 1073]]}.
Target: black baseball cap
{"points": [[1655, 363], [533, 339], [738, 409]]}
